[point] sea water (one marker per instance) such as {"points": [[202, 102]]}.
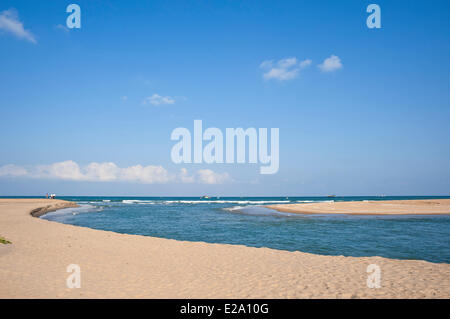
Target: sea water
{"points": [[245, 221]]}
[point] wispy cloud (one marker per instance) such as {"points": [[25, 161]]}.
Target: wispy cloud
{"points": [[62, 28], [305, 63], [110, 172], [284, 69], [12, 170], [331, 64], [10, 23], [157, 99]]}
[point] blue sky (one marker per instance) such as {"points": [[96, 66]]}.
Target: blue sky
{"points": [[376, 124]]}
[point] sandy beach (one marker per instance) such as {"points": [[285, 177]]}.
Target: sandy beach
{"points": [[129, 266], [393, 207]]}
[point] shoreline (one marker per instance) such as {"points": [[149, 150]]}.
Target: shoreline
{"points": [[379, 208], [117, 265]]}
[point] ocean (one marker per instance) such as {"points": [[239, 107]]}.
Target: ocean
{"points": [[244, 221]]}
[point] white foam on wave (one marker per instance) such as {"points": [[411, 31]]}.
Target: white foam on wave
{"points": [[226, 201], [137, 201], [256, 210], [315, 201], [234, 208], [81, 209], [221, 201]]}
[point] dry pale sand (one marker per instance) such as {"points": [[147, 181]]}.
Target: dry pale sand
{"points": [[392, 207], [129, 266]]}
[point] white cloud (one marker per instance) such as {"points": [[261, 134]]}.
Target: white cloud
{"points": [[102, 172], [266, 64], [93, 172], [10, 23], [157, 99], [204, 176], [207, 176], [331, 64], [68, 170], [105, 172], [185, 178], [110, 172], [146, 174], [305, 63], [12, 170], [284, 69]]}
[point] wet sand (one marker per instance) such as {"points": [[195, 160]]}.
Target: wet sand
{"points": [[129, 266]]}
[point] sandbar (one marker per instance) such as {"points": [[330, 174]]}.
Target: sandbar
{"points": [[391, 207]]}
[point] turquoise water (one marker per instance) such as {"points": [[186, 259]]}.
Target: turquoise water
{"points": [[242, 221]]}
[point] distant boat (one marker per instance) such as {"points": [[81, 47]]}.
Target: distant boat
{"points": [[205, 197], [331, 196]]}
